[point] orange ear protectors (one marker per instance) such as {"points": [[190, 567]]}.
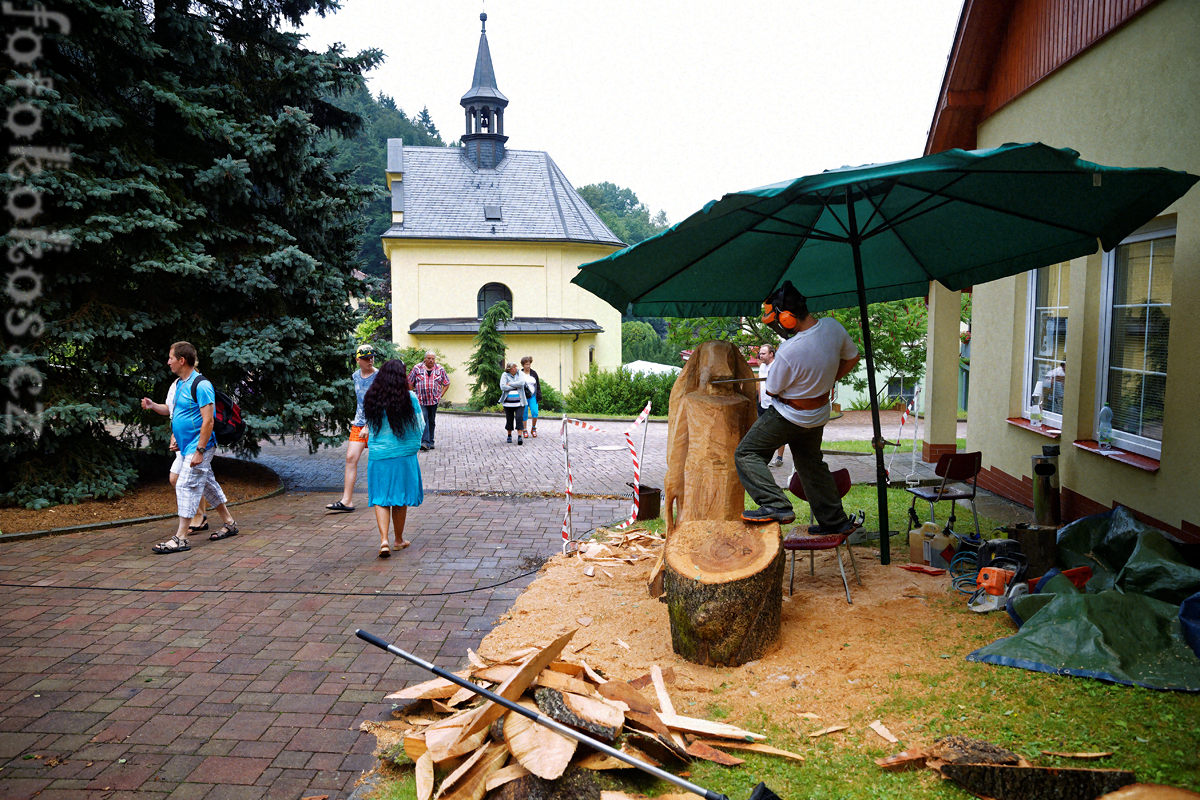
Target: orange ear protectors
{"points": [[785, 319]]}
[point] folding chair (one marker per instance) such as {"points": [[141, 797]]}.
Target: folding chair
{"points": [[955, 470], [841, 479]]}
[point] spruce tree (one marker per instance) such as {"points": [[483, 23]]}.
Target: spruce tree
{"points": [[487, 362], [201, 206]]}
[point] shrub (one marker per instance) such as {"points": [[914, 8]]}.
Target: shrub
{"points": [[619, 392], [552, 399]]}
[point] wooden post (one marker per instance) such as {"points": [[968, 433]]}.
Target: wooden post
{"points": [[722, 583]]}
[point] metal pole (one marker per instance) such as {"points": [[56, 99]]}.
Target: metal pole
{"points": [[557, 727], [885, 556]]}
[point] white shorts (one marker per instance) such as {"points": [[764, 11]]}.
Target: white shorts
{"points": [[177, 464]]}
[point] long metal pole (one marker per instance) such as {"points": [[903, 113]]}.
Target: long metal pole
{"points": [[557, 727], [885, 556]]}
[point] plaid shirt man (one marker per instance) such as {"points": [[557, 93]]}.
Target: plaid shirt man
{"points": [[429, 384]]}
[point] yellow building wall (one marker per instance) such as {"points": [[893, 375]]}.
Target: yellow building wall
{"points": [[442, 278], [1132, 100]]}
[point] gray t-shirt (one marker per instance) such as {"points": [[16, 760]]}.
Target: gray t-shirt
{"points": [[806, 366], [361, 385]]}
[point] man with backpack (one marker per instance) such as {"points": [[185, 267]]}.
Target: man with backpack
{"points": [[192, 427]]}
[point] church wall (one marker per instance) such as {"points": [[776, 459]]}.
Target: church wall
{"points": [[441, 279]]}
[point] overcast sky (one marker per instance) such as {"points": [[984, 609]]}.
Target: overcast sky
{"points": [[680, 102]]}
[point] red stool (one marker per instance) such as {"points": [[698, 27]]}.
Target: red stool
{"points": [[841, 479]]}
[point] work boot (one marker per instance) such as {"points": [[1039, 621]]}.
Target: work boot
{"points": [[758, 515]]}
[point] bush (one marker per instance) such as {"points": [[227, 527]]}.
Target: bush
{"points": [[620, 392], [552, 399]]}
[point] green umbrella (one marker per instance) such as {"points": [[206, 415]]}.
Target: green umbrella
{"points": [[862, 235]]}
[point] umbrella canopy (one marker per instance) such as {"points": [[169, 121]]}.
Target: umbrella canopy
{"points": [[861, 235]]}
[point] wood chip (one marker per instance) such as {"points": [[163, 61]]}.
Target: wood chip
{"points": [[537, 748], [830, 729], [584, 621], [620, 690], [475, 659], [414, 745], [709, 728], [552, 679], [498, 673], [753, 747], [606, 572], [589, 570], [668, 676], [567, 667], [596, 677], [1084, 756], [515, 686], [600, 761], [438, 688], [445, 739], [807, 715], [664, 702], [502, 776], [648, 721], [882, 730], [472, 784], [709, 753], [902, 762], [424, 776], [622, 644]]}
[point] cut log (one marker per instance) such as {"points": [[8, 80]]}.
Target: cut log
{"points": [[537, 748], [722, 585], [575, 784], [594, 717]]}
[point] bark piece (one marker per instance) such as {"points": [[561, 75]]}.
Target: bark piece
{"points": [[965, 750], [1008, 782], [575, 784], [537, 748], [710, 753], [902, 762], [594, 717], [722, 588], [647, 721], [516, 685]]}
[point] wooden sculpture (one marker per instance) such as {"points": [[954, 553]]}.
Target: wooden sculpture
{"points": [[721, 576], [705, 424]]}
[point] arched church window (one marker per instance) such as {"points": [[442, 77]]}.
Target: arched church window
{"points": [[491, 294]]}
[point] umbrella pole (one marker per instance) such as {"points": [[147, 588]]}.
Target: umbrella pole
{"points": [[885, 556]]}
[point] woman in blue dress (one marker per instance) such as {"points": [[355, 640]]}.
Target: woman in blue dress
{"points": [[395, 424]]}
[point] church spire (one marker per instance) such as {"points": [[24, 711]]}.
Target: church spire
{"points": [[484, 105]]}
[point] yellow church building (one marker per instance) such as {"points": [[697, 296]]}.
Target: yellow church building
{"points": [[481, 223]]}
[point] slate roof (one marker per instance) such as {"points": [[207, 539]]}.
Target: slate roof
{"points": [[534, 325], [443, 195]]}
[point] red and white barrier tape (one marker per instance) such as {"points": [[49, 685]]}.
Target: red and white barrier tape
{"points": [[637, 465]]}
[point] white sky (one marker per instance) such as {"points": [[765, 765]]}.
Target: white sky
{"points": [[680, 102]]}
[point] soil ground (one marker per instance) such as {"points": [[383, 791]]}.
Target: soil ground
{"points": [[153, 495]]}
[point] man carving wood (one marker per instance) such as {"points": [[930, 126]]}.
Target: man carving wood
{"points": [[815, 354]]}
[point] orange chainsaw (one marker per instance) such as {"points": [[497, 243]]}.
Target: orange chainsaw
{"points": [[1002, 568]]}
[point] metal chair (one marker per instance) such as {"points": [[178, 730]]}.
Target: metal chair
{"points": [[794, 544], [959, 473]]}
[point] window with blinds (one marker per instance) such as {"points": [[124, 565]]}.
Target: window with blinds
{"points": [[1046, 341], [1138, 310]]}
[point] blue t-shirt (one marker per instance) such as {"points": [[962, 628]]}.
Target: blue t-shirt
{"points": [[186, 422], [361, 385]]}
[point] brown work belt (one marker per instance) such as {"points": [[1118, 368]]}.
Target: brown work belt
{"points": [[806, 403]]}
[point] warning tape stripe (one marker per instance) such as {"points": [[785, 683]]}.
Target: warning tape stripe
{"points": [[637, 466]]}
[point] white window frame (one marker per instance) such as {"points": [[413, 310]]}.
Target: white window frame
{"points": [[1152, 448], [1049, 419]]}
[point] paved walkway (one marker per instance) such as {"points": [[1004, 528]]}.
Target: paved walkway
{"points": [[232, 671]]}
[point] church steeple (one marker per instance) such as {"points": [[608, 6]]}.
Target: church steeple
{"points": [[483, 143]]}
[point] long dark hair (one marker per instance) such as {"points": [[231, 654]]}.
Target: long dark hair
{"points": [[389, 394]]}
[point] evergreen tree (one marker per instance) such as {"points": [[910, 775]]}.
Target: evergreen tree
{"points": [[622, 212], [201, 206], [487, 362], [425, 121]]}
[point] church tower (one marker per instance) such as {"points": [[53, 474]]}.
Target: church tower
{"points": [[483, 143]]}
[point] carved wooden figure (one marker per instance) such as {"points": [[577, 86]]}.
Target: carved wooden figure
{"points": [[704, 426]]}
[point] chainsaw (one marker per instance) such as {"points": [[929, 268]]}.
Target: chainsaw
{"points": [[1002, 573]]}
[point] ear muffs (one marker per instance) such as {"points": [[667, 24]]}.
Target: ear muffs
{"points": [[784, 319]]}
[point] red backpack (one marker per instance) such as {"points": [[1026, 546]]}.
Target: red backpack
{"points": [[228, 425]]}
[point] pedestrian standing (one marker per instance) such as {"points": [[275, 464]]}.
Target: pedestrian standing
{"points": [[429, 381], [192, 426], [365, 355], [533, 395], [512, 397], [395, 423]]}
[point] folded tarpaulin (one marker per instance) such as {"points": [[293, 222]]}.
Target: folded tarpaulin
{"points": [[1127, 627]]}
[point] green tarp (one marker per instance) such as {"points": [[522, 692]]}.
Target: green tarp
{"points": [[1125, 627]]}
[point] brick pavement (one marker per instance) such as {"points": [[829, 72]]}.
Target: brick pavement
{"points": [[239, 676]]}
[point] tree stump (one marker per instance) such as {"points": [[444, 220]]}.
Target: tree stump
{"points": [[722, 583]]}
